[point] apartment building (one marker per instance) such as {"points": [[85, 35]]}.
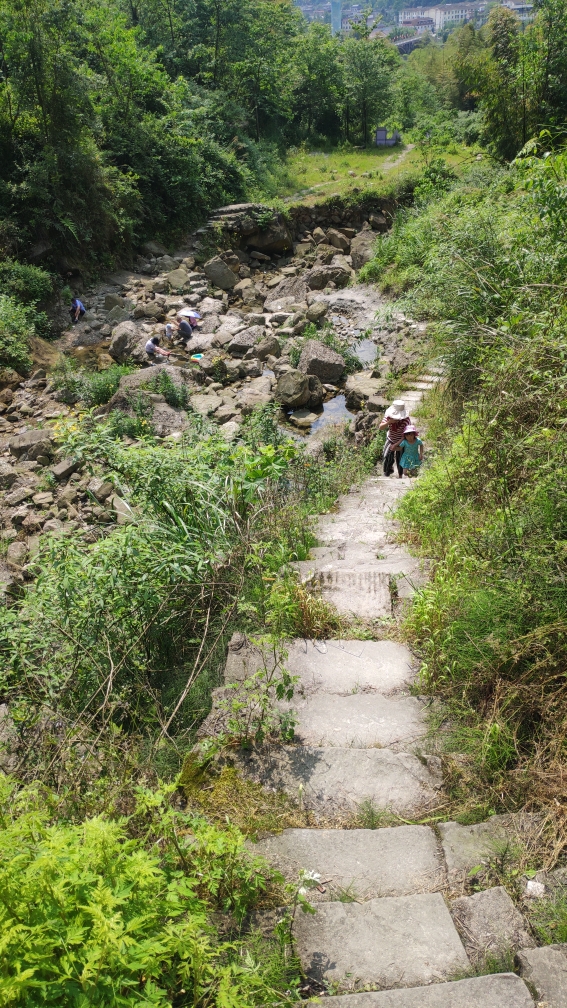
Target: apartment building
{"points": [[454, 15]]}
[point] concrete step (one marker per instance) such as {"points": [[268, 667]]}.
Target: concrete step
{"points": [[350, 666], [334, 781], [362, 720], [365, 594], [545, 969], [361, 863], [331, 666], [398, 941], [501, 990]]}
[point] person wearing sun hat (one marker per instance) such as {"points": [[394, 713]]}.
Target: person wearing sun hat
{"points": [[396, 419], [412, 451]]}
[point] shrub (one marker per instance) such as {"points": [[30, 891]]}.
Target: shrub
{"points": [[16, 327]]}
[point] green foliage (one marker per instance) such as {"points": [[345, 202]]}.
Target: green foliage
{"points": [[489, 274], [119, 912], [16, 326], [175, 395], [93, 388], [27, 284], [548, 917]]}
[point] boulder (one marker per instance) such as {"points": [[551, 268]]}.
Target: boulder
{"points": [[318, 359], [251, 367], [292, 389], [126, 338], [378, 222], [316, 393], [244, 340], [220, 274], [362, 248], [319, 236], [258, 392], [153, 248], [268, 347], [206, 404], [209, 325], [211, 306], [167, 263], [117, 315], [62, 470], [213, 365], [30, 444], [318, 277], [234, 369], [101, 489], [230, 430], [9, 378], [143, 380], [316, 311], [115, 301], [292, 289], [122, 511], [8, 475], [359, 387], [177, 278], [338, 240]]}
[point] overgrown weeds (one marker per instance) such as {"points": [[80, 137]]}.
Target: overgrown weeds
{"points": [[491, 508]]}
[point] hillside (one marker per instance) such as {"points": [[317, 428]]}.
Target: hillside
{"points": [[274, 725]]}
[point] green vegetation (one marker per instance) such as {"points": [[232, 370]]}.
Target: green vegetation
{"points": [[118, 912], [94, 388], [485, 263]]}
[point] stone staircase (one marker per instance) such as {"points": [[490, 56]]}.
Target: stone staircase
{"points": [[386, 913]]}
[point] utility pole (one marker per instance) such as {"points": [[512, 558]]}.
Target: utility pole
{"points": [[336, 16]]}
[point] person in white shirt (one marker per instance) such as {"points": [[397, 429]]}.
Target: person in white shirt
{"points": [[154, 351]]}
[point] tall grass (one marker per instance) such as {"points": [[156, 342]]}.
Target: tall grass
{"points": [[491, 510]]}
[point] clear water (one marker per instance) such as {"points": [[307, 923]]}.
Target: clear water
{"points": [[334, 411], [366, 351]]}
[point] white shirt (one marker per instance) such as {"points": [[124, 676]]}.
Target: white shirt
{"points": [[150, 347]]}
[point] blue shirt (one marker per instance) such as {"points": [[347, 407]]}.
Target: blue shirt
{"points": [[75, 303], [410, 458]]}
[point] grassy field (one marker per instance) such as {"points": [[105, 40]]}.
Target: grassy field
{"points": [[311, 176]]}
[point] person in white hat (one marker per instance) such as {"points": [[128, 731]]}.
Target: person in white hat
{"points": [[396, 419]]}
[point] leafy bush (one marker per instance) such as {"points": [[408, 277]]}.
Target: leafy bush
{"points": [[119, 912], [28, 284], [94, 388], [16, 327], [175, 395]]}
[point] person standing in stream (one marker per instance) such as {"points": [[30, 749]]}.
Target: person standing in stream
{"points": [[395, 421]]}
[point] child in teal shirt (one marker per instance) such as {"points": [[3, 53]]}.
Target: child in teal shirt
{"points": [[412, 451]]}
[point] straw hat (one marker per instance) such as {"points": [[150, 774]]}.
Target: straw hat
{"points": [[397, 411]]}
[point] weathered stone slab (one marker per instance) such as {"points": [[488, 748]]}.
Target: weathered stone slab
{"points": [[358, 719], [490, 925], [363, 593], [337, 780], [390, 942], [546, 969], [332, 666], [465, 847], [365, 863], [504, 990]]}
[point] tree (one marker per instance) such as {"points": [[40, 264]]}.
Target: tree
{"points": [[367, 89], [320, 82]]}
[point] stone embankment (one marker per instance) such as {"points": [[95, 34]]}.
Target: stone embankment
{"points": [[395, 925]]}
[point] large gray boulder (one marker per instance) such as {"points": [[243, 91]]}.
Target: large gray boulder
{"points": [[292, 389], [142, 381], [31, 444], [220, 274], [338, 240], [318, 277], [362, 248], [8, 475], [127, 343], [244, 340], [268, 347], [318, 359], [258, 392]]}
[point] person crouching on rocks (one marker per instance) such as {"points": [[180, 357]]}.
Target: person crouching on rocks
{"points": [[185, 326], [77, 310], [395, 421], [154, 351], [412, 451]]}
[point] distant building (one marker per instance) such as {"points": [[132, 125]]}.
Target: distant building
{"points": [[421, 24], [453, 15]]}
